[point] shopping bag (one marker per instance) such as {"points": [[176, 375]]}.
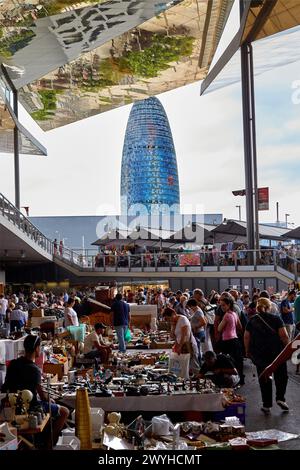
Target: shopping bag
{"points": [[77, 332], [128, 336], [179, 364]]}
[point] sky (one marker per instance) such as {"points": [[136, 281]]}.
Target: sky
{"points": [[81, 174]]}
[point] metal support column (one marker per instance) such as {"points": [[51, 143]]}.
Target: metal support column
{"points": [[254, 153], [16, 154], [249, 144]]}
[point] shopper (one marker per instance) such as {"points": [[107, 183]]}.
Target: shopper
{"points": [[17, 318], [95, 346], [121, 318], [24, 374], [291, 348], [297, 312], [198, 324], [3, 308], [286, 311], [264, 338], [71, 318], [229, 328], [181, 307], [185, 342], [220, 368], [274, 308]]}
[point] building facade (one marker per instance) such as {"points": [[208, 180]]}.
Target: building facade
{"points": [[149, 175]]}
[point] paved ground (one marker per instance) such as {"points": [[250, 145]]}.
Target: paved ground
{"points": [[255, 418]]}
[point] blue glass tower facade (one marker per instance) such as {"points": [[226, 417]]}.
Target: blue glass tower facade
{"points": [[149, 175]]}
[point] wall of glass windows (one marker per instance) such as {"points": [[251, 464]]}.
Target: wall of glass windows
{"points": [[149, 175]]}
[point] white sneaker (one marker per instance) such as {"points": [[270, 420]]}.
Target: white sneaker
{"points": [[265, 410], [283, 405]]}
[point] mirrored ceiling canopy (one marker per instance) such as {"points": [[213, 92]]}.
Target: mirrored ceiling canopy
{"points": [[73, 60]]}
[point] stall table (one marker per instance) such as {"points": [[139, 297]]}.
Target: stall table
{"points": [[175, 402]]}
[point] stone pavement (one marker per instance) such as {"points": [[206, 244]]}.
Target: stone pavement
{"points": [[256, 420]]}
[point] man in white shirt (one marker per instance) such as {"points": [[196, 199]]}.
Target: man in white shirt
{"points": [[3, 308], [95, 346], [17, 318]]}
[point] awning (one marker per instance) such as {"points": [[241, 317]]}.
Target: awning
{"points": [[142, 237], [231, 228], [293, 234]]}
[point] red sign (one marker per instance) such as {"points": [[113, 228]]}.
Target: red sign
{"points": [[263, 199], [189, 259]]}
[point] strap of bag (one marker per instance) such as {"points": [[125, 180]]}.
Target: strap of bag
{"points": [[267, 324]]}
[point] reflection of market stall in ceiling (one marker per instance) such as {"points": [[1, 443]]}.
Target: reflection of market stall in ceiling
{"points": [[88, 60], [27, 144], [268, 17]]}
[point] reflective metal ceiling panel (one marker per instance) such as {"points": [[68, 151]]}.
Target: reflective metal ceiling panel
{"points": [[269, 53], [273, 28], [276, 16], [91, 57], [8, 121]]}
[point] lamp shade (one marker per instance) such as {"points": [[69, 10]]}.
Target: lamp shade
{"points": [[83, 422]]}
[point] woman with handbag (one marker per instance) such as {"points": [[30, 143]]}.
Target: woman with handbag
{"points": [[198, 324], [229, 328], [265, 337], [185, 342]]}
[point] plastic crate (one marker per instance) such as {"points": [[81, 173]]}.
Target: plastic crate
{"points": [[234, 409]]}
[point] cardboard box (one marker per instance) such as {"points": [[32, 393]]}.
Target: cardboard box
{"points": [[162, 345], [36, 322], [148, 361], [37, 312], [59, 369]]}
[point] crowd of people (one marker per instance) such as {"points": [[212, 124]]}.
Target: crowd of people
{"points": [[218, 330], [16, 309], [227, 254], [221, 330]]}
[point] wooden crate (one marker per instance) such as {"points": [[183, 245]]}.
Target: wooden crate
{"points": [[140, 321], [37, 312], [100, 317], [162, 345], [59, 369], [148, 361]]}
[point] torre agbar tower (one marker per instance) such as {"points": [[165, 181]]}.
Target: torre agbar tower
{"points": [[149, 176]]}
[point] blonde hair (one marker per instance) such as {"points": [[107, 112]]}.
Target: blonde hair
{"points": [[263, 305]]}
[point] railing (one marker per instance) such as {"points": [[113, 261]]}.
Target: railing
{"points": [[236, 260], [90, 260], [11, 213]]}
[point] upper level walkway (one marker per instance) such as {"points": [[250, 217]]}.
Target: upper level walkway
{"points": [[19, 238]]}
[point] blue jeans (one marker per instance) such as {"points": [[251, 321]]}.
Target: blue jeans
{"points": [[121, 330]]}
